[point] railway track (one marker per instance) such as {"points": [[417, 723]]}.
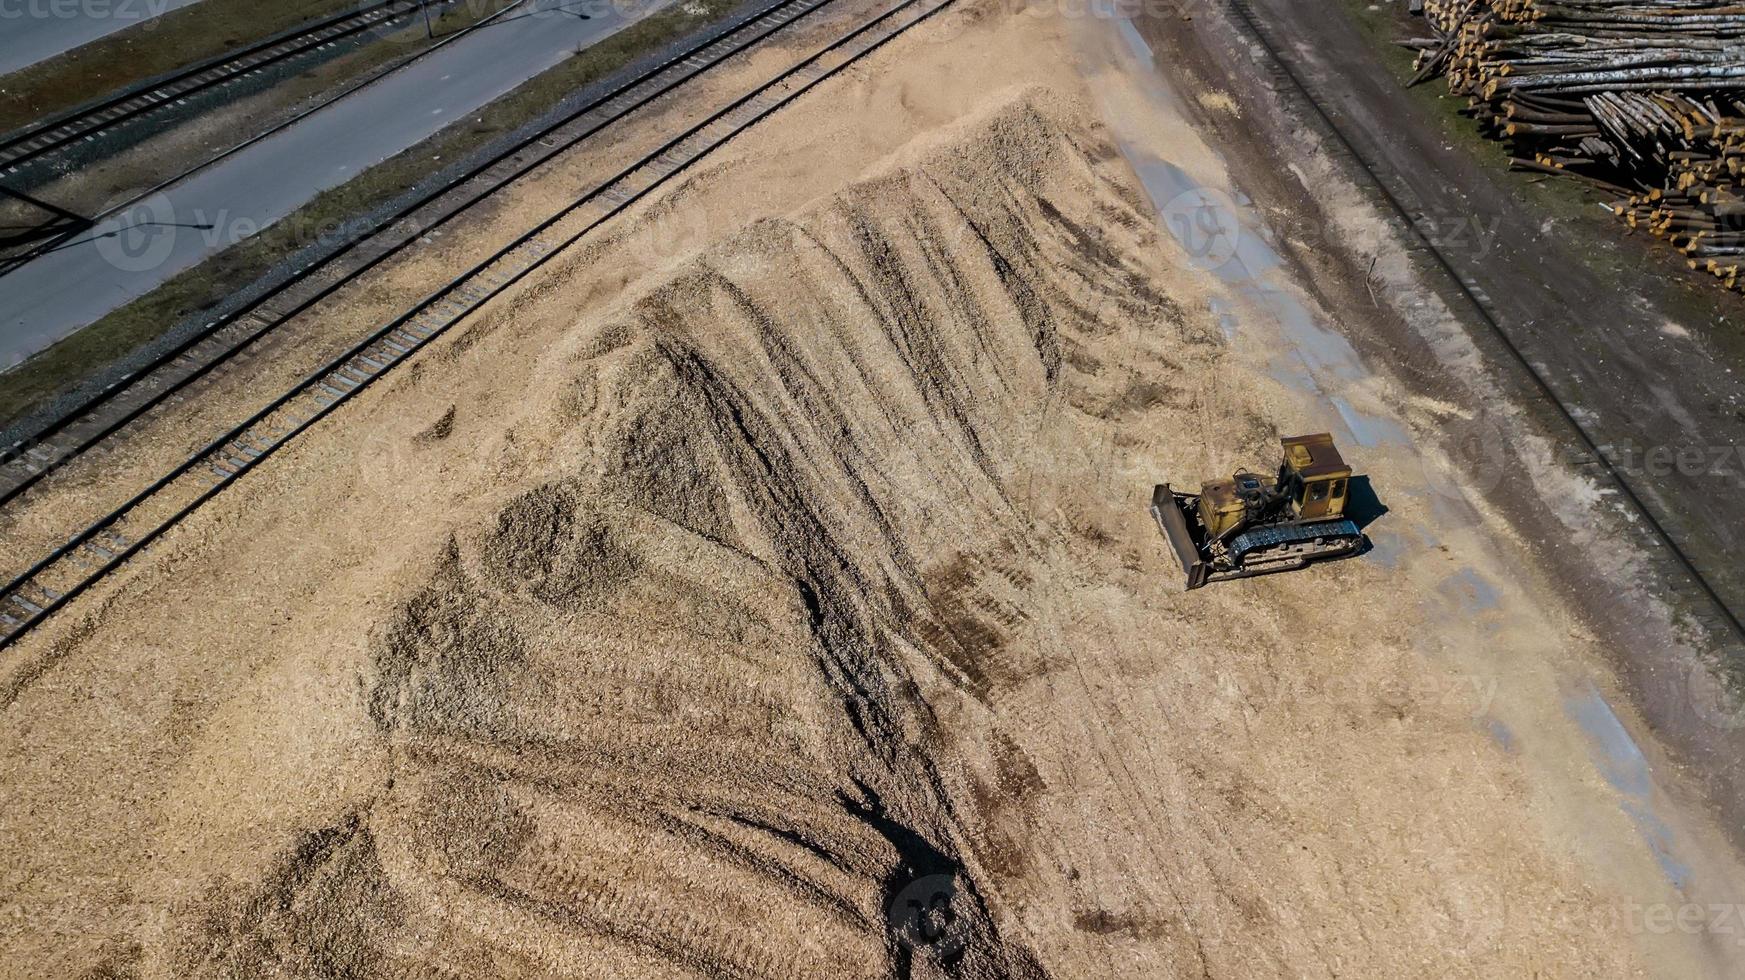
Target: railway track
{"points": [[48, 137], [1589, 451], [38, 245], [69, 570], [26, 463]]}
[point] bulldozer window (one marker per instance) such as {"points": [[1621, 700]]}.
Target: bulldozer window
{"points": [[1338, 489], [1318, 490]]}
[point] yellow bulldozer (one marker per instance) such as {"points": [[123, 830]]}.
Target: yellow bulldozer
{"points": [[1252, 524]]}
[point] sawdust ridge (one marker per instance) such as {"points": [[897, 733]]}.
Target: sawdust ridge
{"points": [[686, 688]]}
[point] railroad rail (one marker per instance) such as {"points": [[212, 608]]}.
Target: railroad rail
{"points": [[86, 123], [81, 429], [1725, 619], [39, 245], [74, 567]]}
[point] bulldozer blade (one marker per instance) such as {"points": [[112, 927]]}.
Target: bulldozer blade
{"points": [[1173, 513]]}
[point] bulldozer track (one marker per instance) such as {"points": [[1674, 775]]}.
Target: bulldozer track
{"points": [[1588, 453], [69, 570], [82, 125]]}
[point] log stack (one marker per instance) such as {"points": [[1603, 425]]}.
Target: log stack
{"points": [[1644, 99]]}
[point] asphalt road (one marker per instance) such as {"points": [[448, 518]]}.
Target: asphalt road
{"points": [[36, 30], [134, 251]]}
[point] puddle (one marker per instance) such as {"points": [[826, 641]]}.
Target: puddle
{"points": [[1386, 548], [1223, 236], [1140, 48], [1227, 319], [1500, 734], [1369, 430], [1622, 764], [1473, 593]]}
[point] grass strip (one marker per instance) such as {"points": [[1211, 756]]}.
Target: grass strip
{"points": [[181, 37]]}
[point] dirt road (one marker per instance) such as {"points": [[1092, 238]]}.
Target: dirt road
{"points": [[768, 591], [1644, 356], [1399, 307]]}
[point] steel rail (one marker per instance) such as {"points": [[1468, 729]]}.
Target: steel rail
{"points": [[237, 452], [49, 136], [9, 264], [28, 462]]}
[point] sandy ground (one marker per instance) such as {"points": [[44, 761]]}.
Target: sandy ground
{"points": [[773, 595]]}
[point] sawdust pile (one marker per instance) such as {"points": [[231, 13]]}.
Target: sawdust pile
{"points": [[799, 615], [677, 689]]}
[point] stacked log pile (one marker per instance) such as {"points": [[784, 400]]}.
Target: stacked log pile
{"points": [[1642, 98]]}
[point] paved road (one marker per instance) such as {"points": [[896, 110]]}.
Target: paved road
{"points": [[131, 253], [36, 30]]}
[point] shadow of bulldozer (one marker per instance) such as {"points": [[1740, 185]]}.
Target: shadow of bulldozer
{"points": [[1362, 506]]}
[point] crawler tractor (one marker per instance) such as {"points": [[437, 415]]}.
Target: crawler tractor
{"points": [[1252, 524]]}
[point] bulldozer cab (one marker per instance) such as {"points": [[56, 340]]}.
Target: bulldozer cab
{"points": [[1316, 477]]}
